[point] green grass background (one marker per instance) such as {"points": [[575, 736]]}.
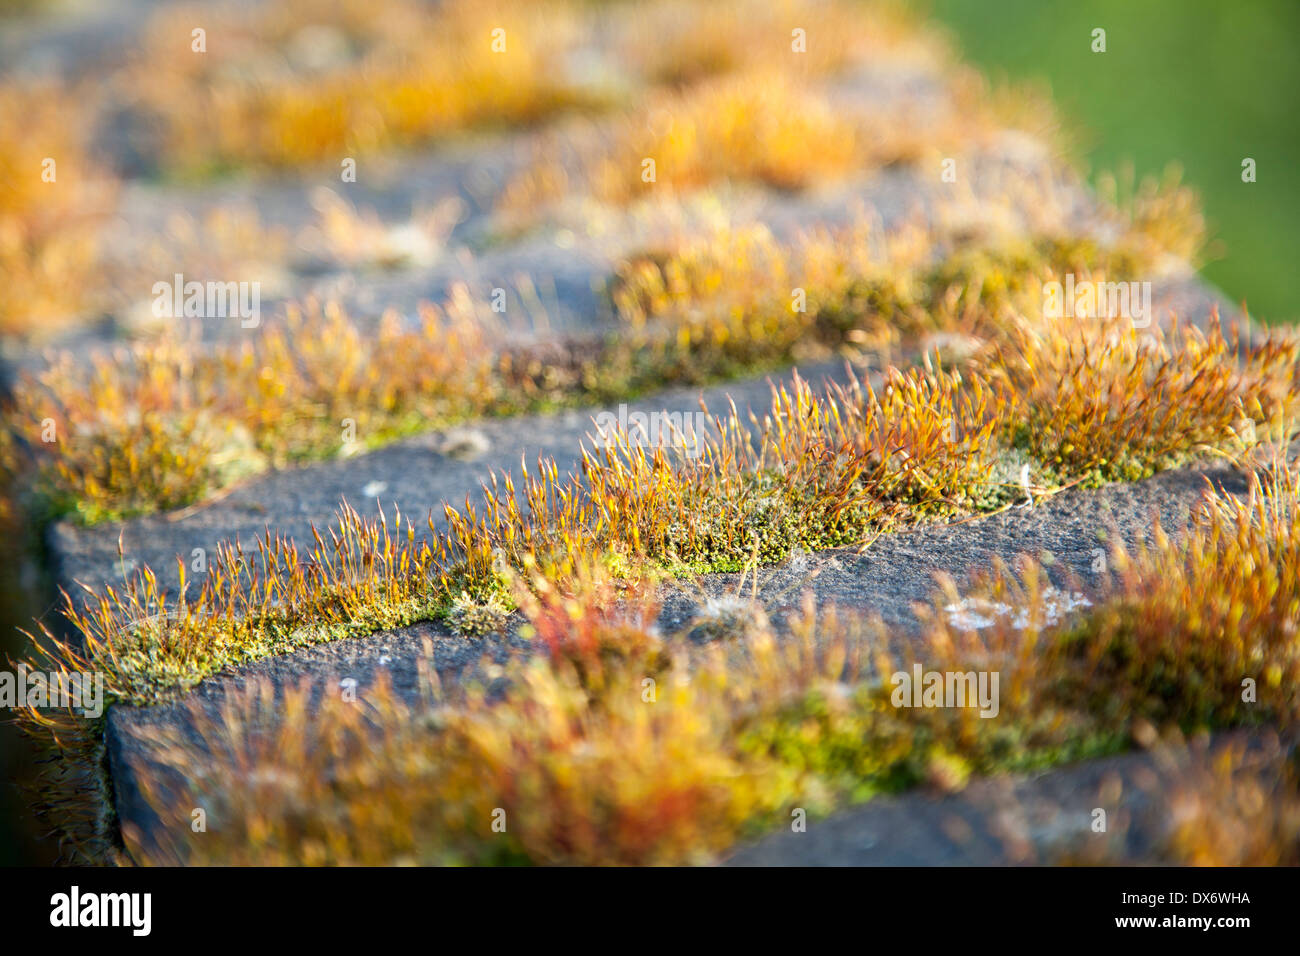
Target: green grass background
{"points": [[1201, 83]]}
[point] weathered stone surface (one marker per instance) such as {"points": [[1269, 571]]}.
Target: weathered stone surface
{"points": [[569, 269], [1004, 183], [1019, 820], [887, 579], [418, 474]]}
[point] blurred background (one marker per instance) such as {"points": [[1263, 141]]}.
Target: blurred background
{"points": [[1197, 83]]}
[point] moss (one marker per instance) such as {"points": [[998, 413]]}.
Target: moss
{"points": [[820, 470], [125, 464], [796, 723], [1032, 407], [474, 618]]}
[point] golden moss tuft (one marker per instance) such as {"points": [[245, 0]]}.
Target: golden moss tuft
{"points": [[661, 754]]}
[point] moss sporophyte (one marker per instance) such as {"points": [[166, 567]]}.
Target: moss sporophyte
{"points": [[1033, 364]]}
